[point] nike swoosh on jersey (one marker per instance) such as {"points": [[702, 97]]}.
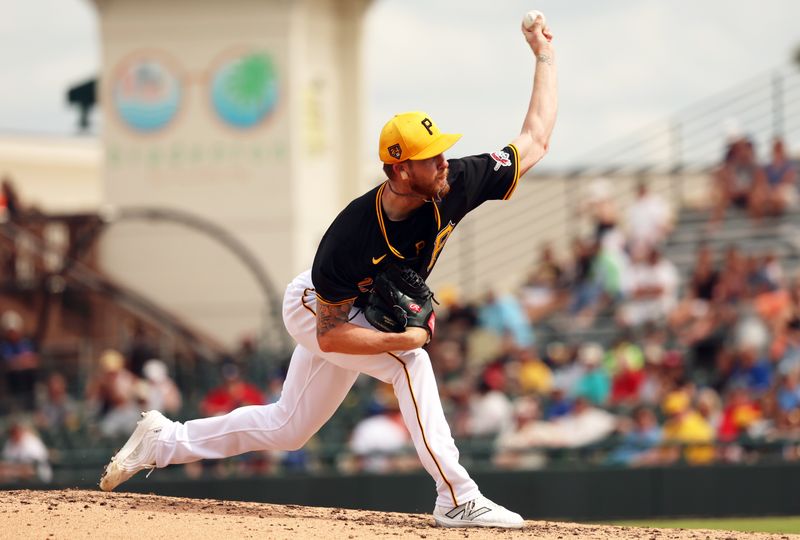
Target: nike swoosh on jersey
{"points": [[378, 259]]}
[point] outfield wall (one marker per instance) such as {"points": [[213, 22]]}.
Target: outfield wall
{"points": [[583, 495]]}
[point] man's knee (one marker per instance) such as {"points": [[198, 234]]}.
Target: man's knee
{"points": [[296, 441], [414, 362]]}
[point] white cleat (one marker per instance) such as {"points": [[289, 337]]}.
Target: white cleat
{"points": [[480, 512], [139, 452]]}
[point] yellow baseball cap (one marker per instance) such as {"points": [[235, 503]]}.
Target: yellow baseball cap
{"points": [[413, 135]]}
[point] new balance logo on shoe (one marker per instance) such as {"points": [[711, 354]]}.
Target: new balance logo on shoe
{"points": [[467, 511], [479, 512]]}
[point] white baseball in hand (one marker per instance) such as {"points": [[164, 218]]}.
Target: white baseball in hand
{"points": [[530, 18]]}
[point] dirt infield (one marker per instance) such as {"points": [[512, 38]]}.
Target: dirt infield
{"points": [[94, 514]]}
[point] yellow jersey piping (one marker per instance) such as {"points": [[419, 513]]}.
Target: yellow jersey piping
{"points": [[513, 186], [382, 224], [339, 303]]}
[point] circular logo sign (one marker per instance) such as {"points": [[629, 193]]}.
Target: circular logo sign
{"points": [[146, 94], [244, 90]]}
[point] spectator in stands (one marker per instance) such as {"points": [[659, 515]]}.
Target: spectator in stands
{"points": [[57, 410], [610, 270], [518, 447], [504, 315], [139, 350], [111, 396], [459, 318], [751, 371], [794, 295], [709, 406], [447, 355], [685, 426], [740, 412], [649, 219], [625, 351], [705, 275], [158, 390], [738, 181], [781, 177], [233, 393], [601, 208], [733, 283], [610, 262], [772, 300], [533, 375], [788, 393], [654, 383], [765, 273], [545, 291], [652, 289], [20, 361], [595, 384], [584, 426], [765, 428], [587, 291], [567, 370], [25, 457], [381, 441], [640, 434], [700, 290], [490, 409], [750, 334], [705, 340], [558, 404], [675, 369], [788, 350], [627, 382]]}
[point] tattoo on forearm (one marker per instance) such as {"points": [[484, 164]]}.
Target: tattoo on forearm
{"points": [[544, 58], [329, 317]]}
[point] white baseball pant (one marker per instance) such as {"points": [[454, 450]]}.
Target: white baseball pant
{"points": [[316, 384]]}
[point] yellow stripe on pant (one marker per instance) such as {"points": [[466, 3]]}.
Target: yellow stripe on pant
{"points": [[419, 421]]}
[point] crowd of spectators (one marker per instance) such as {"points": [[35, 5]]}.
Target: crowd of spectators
{"points": [[704, 367], [699, 367], [762, 189]]}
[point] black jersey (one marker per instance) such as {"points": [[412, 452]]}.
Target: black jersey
{"points": [[362, 239]]}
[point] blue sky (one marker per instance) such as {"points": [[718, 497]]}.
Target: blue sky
{"points": [[623, 64]]}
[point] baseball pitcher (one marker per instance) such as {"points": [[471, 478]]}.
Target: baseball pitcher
{"points": [[364, 307]]}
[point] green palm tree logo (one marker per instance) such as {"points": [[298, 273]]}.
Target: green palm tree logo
{"points": [[245, 89], [250, 79]]}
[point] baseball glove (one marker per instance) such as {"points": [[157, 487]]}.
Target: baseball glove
{"points": [[400, 298]]}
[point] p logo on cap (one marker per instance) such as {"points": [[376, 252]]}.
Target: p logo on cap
{"points": [[413, 135]]}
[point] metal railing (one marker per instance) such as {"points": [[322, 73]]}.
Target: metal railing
{"points": [[496, 246]]}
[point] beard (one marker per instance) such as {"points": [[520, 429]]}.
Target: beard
{"points": [[435, 191]]}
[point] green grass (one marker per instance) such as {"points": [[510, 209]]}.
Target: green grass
{"points": [[788, 524]]}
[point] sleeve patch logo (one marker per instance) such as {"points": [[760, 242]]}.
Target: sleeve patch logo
{"points": [[395, 151], [502, 159]]}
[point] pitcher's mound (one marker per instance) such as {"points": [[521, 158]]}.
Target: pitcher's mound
{"points": [[94, 514]]}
